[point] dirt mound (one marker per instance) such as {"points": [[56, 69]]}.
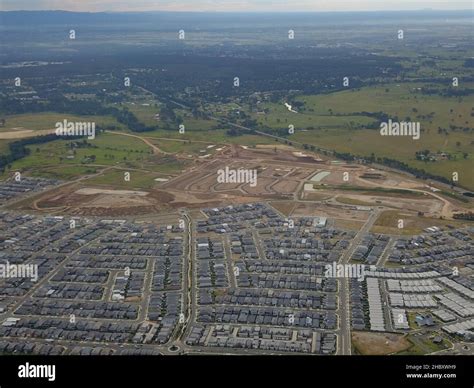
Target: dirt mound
{"points": [[162, 197]]}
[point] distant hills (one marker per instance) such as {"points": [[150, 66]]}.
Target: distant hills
{"points": [[201, 19]]}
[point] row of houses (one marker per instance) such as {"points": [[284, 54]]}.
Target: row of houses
{"points": [[277, 298], [14, 188], [258, 338], [268, 316], [359, 305], [371, 248], [103, 282], [62, 329], [79, 309], [15, 347], [436, 246]]}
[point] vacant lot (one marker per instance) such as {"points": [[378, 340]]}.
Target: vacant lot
{"points": [[412, 224], [379, 344]]}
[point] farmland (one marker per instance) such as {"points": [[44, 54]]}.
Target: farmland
{"points": [[328, 121]]}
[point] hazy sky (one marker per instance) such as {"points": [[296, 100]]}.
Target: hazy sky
{"points": [[232, 5]]}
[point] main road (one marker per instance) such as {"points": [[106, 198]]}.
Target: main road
{"points": [[344, 344], [189, 290]]}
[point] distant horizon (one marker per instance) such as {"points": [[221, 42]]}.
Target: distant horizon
{"points": [[240, 12]]}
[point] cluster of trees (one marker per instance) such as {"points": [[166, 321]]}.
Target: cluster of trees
{"points": [[379, 117], [56, 103], [167, 113], [127, 118], [424, 155], [418, 173], [233, 131], [18, 149], [448, 92], [212, 76], [393, 163], [464, 216], [80, 144], [79, 107]]}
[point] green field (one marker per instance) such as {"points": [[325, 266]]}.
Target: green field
{"points": [[146, 115], [396, 100], [279, 116], [217, 136], [60, 160], [108, 149], [115, 178], [63, 172], [399, 101], [186, 147]]}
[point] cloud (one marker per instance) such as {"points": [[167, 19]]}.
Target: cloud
{"points": [[231, 5]]}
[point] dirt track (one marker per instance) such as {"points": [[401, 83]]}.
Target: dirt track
{"points": [[22, 134], [155, 149]]}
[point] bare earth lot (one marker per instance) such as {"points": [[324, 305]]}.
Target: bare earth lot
{"points": [[379, 344], [346, 193]]}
